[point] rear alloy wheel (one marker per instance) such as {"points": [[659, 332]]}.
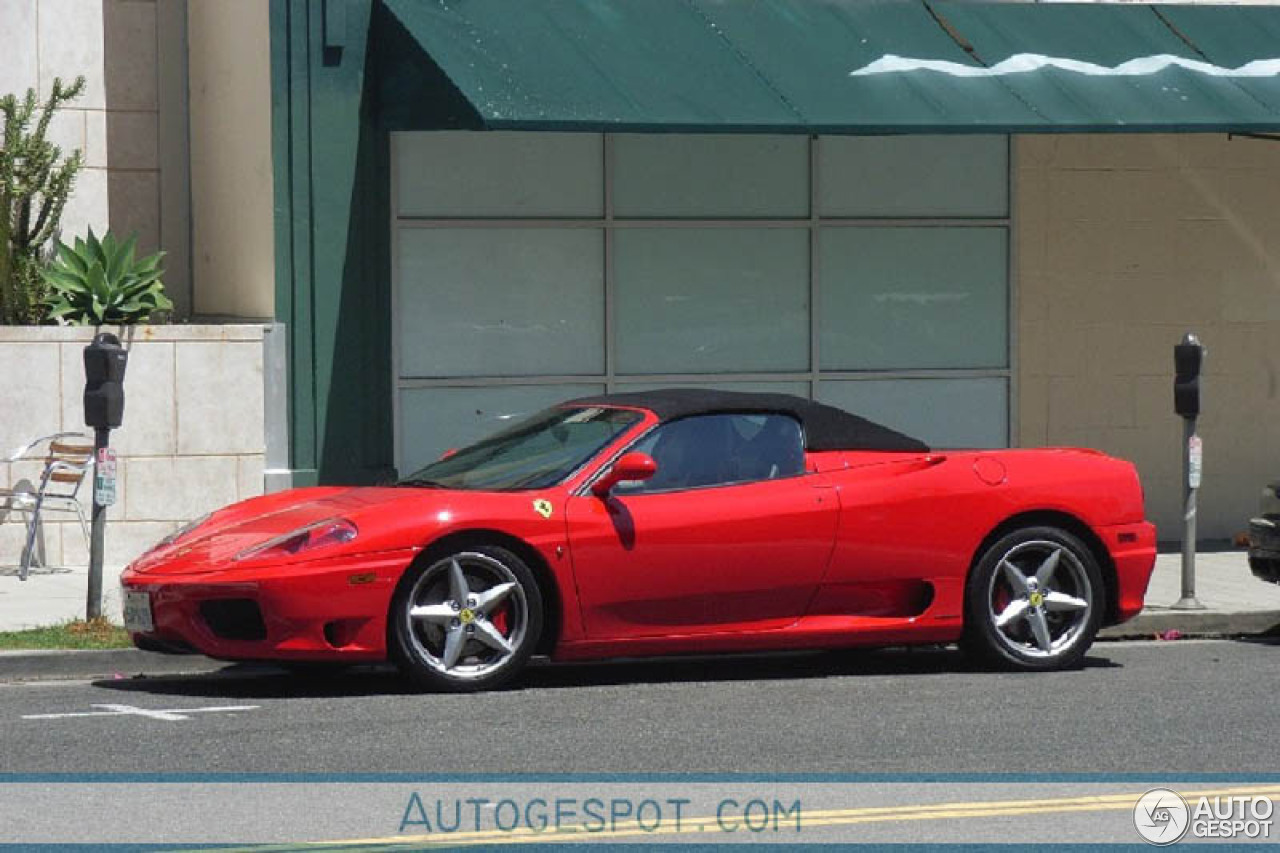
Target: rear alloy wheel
{"points": [[468, 621], [1034, 601]]}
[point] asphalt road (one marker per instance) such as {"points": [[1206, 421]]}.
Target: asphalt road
{"points": [[1186, 706]]}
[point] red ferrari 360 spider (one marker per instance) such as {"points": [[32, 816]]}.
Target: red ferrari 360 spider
{"points": [[663, 522]]}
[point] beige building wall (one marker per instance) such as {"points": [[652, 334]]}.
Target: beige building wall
{"points": [[1123, 243], [130, 121], [231, 177]]}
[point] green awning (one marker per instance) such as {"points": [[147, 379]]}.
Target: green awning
{"points": [[845, 66], [1234, 40]]}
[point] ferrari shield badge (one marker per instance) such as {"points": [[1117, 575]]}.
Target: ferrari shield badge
{"points": [[542, 507]]}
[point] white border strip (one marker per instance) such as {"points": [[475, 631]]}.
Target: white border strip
{"points": [[1023, 63]]}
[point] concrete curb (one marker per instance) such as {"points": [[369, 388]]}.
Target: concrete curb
{"points": [[98, 663], [1192, 623]]}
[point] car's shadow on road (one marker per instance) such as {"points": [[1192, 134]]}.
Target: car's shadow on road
{"points": [[1270, 638], [247, 681]]}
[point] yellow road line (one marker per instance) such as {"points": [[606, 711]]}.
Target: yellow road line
{"points": [[831, 817]]}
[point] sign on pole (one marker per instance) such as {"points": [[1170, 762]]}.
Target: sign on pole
{"points": [[1195, 460], [104, 477]]}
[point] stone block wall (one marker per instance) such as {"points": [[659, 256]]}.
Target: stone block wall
{"points": [[193, 437], [1123, 243], [130, 122]]}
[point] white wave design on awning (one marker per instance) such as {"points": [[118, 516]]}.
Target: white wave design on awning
{"points": [[1022, 63]]}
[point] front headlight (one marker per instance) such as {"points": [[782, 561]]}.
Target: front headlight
{"points": [[331, 531]]}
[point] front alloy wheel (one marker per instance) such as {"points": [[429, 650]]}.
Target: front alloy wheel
{"points": [[1034, 601], [467, 621]]}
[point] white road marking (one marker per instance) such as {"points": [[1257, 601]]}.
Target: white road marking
{"points": [[166, 714]]}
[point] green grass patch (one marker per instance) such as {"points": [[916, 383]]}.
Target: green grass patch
{"points": [[77, 634]]}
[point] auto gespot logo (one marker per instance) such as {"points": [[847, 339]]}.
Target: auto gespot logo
{"points": [[1163, 817]]}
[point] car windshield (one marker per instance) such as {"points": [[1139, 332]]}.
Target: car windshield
{"points": [[536, 453]]}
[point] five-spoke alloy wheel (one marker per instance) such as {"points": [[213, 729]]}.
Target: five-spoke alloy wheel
{"points": [[1034, 600], [466, 621]]}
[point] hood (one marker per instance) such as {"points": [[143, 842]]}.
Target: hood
{"points": [[233, 529]]}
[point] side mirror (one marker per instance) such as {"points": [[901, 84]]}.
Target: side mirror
{"points": [[630, 466]]}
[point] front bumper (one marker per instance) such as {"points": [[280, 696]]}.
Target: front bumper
{"points": [[1264, 548], [316, 610]]}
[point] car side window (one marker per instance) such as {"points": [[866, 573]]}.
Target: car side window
{"points": [[717, 450]]}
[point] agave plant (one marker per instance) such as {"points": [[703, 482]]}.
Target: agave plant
{"points": [[98, 281]]}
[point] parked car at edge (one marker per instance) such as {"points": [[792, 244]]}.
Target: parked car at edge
{"points": [[663, 522], [1264, 536]]}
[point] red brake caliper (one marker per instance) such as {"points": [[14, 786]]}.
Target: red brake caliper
{"points": [[499, 620], [1002, 600]]}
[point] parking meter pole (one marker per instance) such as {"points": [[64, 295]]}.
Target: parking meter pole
{"points": [[1188, 601], [93, 606], [1188, 364], [104, 366]]}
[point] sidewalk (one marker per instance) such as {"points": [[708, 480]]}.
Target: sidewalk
{"points": [[49, 599], [1236, 602]]}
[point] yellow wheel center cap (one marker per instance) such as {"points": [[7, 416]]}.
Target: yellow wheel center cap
{"points": [[1036, 599], [467, 616]]}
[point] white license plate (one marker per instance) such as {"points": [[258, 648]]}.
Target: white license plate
{"points": [[137, 612]]}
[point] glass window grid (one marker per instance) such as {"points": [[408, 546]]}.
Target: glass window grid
{"points": [[609, 223]]}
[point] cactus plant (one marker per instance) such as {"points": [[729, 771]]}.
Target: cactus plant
{"points": [[35, 182]]}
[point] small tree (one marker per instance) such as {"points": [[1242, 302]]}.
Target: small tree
{"points": [[35, 182]]}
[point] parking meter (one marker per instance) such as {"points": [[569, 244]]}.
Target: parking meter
{"points": [[104, 365], [1188, 359]]}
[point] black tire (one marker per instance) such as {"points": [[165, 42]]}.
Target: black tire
{"points": [[1008, 626], [461, 648]]}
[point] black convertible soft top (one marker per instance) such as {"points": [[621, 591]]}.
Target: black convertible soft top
{"points": [[825, 427]]}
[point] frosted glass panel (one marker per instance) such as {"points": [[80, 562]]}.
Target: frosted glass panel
{"points": [[433, 420], [500, 301], [798, 389], [457, 173], [914, 176], [941, 412], [672, 175], [698, 300], [897, 298]]}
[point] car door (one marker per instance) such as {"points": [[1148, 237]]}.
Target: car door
{"points": [[730, 534]]}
